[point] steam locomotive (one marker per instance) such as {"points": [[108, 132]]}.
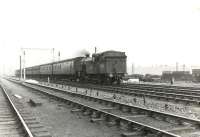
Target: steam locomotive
{"points": [[105, 67]]}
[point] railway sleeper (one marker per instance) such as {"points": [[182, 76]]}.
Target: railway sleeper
{"points": [[35, 102], [93, 120], [177, 121], [124, 125], [131, 134], [87, 112], [76, 110], [129, 126], [182, 129], [110, 104], [126, 109], [136, 116], [95, 114], [42, 134], [111, 121], [122, 107], [140, 132], [134, 111], [119, 119], [32, 122]]}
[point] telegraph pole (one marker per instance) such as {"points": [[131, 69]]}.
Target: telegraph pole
{"points": [[20, 66], [176, 66], [95, 50], [133, 68], [24, 67], [53, 55], [59, 56], [183, 67], [3, 69], [24, 60]]}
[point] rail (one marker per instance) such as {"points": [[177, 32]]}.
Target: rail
{"points": [[27, 130]]}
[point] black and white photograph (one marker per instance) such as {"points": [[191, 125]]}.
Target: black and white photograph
{"points": [[99, 68]]}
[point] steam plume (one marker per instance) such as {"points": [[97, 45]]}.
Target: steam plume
{"points": [[82, 53]]}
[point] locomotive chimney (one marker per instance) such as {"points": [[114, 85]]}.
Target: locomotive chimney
{"points": [[95, 50], [87, 55]]}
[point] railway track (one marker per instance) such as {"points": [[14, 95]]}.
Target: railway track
{"points": [[16, 120], [11, 122], [183, 107], [141, 121], [183, 95], [177, 96], [163, 88]]}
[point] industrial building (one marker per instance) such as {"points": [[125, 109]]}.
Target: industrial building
{"points": [[176, 75]]}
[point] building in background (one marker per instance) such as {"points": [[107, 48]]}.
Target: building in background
{"points": [[176, 75], [196, 74]]}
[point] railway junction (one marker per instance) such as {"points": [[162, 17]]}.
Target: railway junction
{"points": [[102, 109], [99, 68], [85, 97]]}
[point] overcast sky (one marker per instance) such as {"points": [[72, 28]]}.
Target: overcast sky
{"points": [[149, 31]]}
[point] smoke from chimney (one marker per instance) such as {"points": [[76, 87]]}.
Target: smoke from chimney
{"points": [[83, 53]]}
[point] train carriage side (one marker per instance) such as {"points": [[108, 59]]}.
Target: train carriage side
{"points": [[31, 72], [79, 69], [17, 73], [67, 69], [28, 72], [62, 69], [35, 72], [46, 71]]}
